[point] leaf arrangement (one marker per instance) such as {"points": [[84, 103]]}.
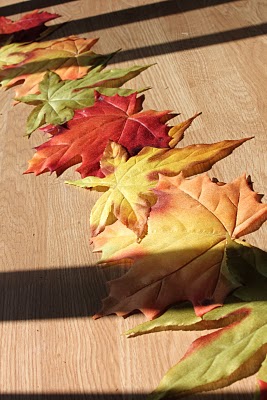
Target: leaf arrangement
{"points": [[179, 232]]}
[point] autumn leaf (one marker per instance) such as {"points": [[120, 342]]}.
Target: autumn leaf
{"points": [[252, 276], [128, 181], [15, 53], [85, 137], [185, 254], [71, 58], [58, 99], [247, 266], [27, 28], [220, 358], [9, 54], [30, 20], [210, 362]]}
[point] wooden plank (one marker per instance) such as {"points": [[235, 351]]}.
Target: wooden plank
{"points": [[50, 286]]}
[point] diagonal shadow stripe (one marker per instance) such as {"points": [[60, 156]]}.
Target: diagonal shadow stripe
{"points": [[121, 17], [132, 15], [167, 47], [193, 43], [30, 5]]}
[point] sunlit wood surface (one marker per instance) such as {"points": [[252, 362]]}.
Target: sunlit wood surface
{"points": [[211, 57]]}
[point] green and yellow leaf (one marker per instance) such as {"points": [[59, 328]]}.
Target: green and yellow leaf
{"points": [[234, 352], [57, 100], [71, 58], [128, 196]]}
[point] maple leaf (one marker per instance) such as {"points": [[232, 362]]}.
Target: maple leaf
{"points": [[220, 358], [210, 362], [247, 266], [15, 53], [27, 28], [183, 255], [85, 137], [9, 54], [128, 181], [71, 58], [58, 99]]}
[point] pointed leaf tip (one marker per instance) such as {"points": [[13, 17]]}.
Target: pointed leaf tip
{"points": [[177, 132]]}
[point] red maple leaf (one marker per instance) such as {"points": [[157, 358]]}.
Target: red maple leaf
{"points": [[26, 28], [84, 138]]}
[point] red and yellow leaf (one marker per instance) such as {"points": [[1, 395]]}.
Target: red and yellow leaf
{"points": [[183, 255], [58, 99], [84, 138], [27, 28]]}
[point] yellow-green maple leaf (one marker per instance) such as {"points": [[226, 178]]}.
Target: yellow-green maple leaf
{"points": [[128, 181], [238, 350]]}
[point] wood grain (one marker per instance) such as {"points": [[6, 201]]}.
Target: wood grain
{"points": [[210, 56]]}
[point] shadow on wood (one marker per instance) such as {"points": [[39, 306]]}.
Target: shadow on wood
{"points": [[78, 291], [51, 293], [120, 17], [193, 43], [157, 49]]}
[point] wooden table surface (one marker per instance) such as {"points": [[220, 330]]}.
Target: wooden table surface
{"points": [[210, 56]]}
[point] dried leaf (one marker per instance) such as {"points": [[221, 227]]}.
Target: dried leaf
{"points": [[85, 137], [71, 58], [58, 99], [27, 28], [128, 195], [185, 255]]}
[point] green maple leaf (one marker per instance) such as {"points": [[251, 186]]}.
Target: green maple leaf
{"points": [[235, 351], [57, 100]]}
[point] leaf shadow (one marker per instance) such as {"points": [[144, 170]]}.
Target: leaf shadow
{"points": [[69, 293]]}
